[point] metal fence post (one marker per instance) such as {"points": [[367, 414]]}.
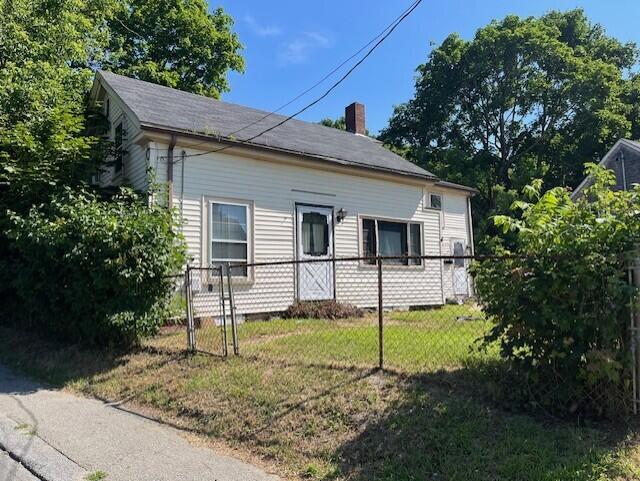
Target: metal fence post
{"points": [[191, 338], [232, 308], [224, 313], [380, 317]]}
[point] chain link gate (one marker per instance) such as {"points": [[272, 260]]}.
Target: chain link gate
{"points": [[210, 310]]}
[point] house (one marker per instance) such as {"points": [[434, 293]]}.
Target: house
{"points": [[300, 191], [624, 160]]}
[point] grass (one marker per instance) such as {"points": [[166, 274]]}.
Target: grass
{"points": [[96, 476], [27, 429], [303, 398]]}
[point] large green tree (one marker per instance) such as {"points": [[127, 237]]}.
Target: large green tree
{"points": [[177, 43], [525, 98], [46, 49], [48, 54]]}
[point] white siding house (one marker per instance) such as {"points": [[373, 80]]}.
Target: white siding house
{"points": [[298, 194]]}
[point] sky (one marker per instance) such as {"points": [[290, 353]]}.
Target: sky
{"points": [[290, 44]]}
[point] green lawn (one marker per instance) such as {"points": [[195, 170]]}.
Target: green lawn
{"points": [[300, 400], [414, 341]]}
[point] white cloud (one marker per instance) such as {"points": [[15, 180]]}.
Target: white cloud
{"points": [[262, 30], [300, 48]]}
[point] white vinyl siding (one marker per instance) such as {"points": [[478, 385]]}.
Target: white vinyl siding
{"points": [[274, 189], [134, 167]]}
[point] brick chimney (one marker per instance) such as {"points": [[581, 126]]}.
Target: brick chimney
{"points": [[354, 118]]}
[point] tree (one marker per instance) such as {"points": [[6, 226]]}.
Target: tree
{"points": [[46, 49], [338, 123], [525, 98], [176, 43], [52, 224]]}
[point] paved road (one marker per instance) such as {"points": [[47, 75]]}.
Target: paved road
{"points": [[87, 435]]}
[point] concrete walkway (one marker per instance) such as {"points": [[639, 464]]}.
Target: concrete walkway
{"points": [[54, 436]]}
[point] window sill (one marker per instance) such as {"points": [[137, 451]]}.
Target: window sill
{"points": [[373, 267]]}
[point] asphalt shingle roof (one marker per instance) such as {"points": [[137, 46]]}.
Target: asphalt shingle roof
{"points": [[175, 110]]}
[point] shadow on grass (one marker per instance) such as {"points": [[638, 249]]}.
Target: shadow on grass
{"points": [[443, 427], [59, 365]]}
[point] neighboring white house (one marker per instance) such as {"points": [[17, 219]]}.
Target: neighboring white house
{"points": [[300, 191]]}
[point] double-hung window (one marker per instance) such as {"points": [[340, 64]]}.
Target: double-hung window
{"points": [[392, 239], [230, 235]]}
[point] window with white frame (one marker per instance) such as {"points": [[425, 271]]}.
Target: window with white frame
{"points": [[230, 235], [435, 201], [392, 239]]}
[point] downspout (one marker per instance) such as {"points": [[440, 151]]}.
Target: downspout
{"points": [[182, 157], [470, 223], [170, 162]]}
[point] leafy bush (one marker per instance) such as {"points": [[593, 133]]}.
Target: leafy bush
{"points": [[561, 311], [322, 310], [93, 270]]}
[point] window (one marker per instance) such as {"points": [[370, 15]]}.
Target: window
{"points": [[458, 251], [229, 235], [119, 154], [391, 239], [435, 201], [315, 234]]}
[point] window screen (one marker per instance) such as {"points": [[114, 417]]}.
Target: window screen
{"points": [[229, 235]]}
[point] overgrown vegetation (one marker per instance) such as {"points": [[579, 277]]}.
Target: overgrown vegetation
{"points": [[84, 269], [74, 261], [561, 309]]}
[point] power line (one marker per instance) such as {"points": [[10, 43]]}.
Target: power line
{"points": [[334, 70], [328, 91], [319, 82]]}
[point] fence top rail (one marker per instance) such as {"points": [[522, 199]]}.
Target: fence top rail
{"points": [[372, 260]]}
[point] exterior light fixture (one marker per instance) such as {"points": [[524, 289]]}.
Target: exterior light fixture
{"points": [[341, 215]]}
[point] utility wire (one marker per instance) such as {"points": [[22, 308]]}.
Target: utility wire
{"points": [[302, 94], [387, 33], [319, 82]]}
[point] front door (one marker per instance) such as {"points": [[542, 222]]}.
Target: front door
{"points": [[460, 281], [315, 243]]}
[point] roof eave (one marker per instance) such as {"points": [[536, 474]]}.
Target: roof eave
{"points": [[267, 148], [471, 190]]}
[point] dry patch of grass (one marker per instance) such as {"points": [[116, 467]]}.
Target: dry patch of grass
{"points": [[324, 421]]}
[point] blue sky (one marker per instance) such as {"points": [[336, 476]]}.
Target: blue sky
{"points": [[289, 45]]}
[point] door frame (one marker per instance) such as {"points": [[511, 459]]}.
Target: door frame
{"points": [[452, 241], [295, 244]]}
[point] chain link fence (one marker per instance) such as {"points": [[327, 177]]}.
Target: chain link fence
{"points": [[407, 313]]}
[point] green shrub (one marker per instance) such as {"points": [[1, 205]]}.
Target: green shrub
{"points": [[322, 310], [92, 270], [561, 311]]}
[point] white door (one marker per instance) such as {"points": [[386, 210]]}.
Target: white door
{"points": [[315, 242], [460, 279]]}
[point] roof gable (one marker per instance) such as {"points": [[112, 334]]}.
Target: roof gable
{"points": [[156, 106], [624, 159]]}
